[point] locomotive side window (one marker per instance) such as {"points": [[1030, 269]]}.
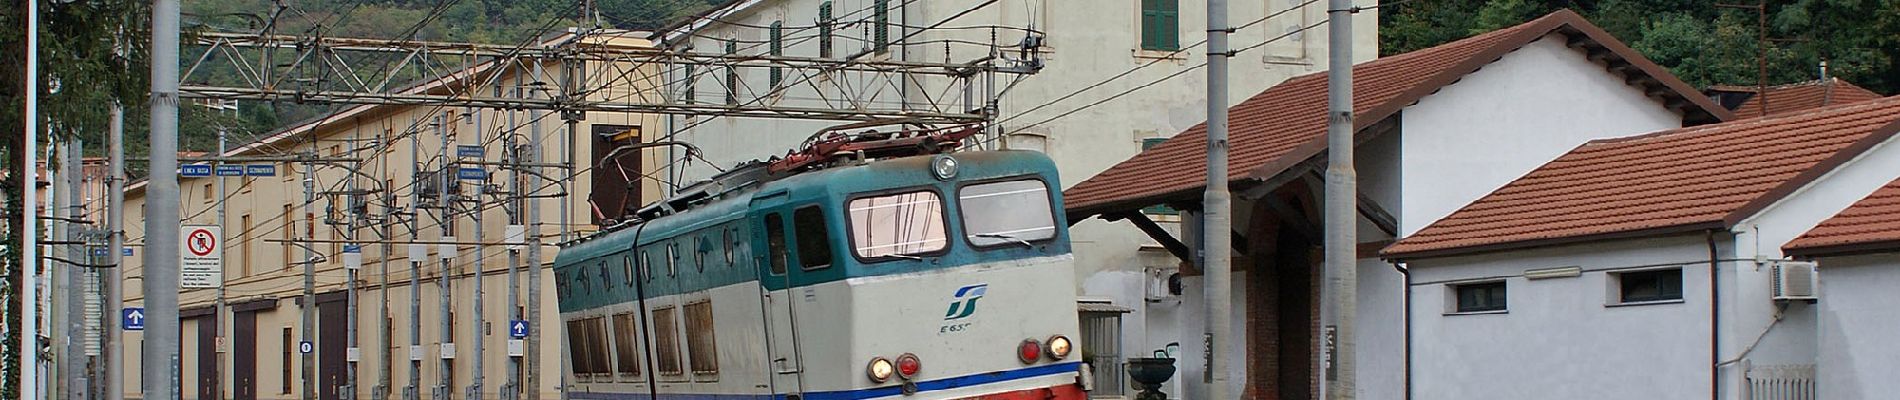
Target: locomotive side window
{"points": [[672, 259], [577, 347], [597, 326], [732, 242], [897, 224], [624, 345], [666, 341], [646, 264], [775, 242], [814, 238], [1006, 213]]}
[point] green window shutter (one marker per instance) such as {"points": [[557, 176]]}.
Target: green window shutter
{"points": [[824, 29], [881, 25], [1148, 24], [732, 74], [1171, 24], [778, 49]]}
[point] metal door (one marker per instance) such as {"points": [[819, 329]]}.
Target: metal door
{"points": [[331, 334], [772, 255], [244, 355], [208, 357]]}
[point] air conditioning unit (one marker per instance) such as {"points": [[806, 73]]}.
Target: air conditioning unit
{"points": [[1794, 281]]}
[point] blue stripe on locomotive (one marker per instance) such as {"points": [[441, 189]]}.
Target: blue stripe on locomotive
{"points": [[591, 273]]}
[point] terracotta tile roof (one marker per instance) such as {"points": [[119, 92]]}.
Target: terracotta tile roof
{"points": [[1872, 224], [1798, 97], [1286, 124], [1687, 179]]}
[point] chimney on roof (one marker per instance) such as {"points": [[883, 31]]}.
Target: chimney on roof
{"points": [[1827, 85]]}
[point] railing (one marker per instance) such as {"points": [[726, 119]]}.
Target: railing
{"points": [[1781, 382]]}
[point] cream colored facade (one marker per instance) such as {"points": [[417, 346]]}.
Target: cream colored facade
{"points": [[261, 211]]}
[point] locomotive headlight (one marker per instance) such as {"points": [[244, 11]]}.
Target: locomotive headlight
{"points": [[880, 370], [1059, 347], [944, 167]]}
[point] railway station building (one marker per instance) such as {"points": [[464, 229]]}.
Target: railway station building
{"points": [[1435, 129], [378, 177]]}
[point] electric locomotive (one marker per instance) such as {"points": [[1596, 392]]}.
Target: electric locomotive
{"points": [[863, 265]]}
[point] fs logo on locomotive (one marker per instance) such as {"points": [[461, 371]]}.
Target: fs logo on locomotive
{"points": [[962, 305]]}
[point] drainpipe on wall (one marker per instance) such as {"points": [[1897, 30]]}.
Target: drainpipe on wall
{"points": [[1715, 321], [1405, 283]]}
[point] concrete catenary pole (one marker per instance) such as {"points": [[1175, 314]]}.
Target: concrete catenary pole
{"points": [[160, 279], [309, 307], [444, 177], [218, 312], [415, 273], [115, 247], [384, 337], [477, 334], [72, 366], [1340, 295], [27, 298], [1217, 210], [532, 213], [511, 153], [353, 353]]}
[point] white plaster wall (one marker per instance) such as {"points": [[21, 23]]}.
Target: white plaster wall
{"points": [[1508, 118], [1558, 339], [1856, 325]]}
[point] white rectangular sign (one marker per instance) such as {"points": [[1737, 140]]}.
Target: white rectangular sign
{"points": [[203, 256]]}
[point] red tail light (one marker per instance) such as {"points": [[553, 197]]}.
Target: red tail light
{"points": [[1029, 351], [908, 365]]}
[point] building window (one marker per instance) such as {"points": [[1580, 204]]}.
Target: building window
{"points": [[290, 349], [208, 194], [244, 248], [814, 238], [625, 345], [1160, 25], [689, 80], [778, 49], [1648, 286], [732, 74], [1101, 348], [616, 180], [666, 342], [290, 232], [824, 29], [701, 346], [1480, 297], [881, 25]]}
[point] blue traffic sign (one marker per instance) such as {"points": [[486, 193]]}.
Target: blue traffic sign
{"points": [[260, 170], [464, 150], [194, 170], [127, 252], [101, 252], [471, 174], [352, 248], [132, 318], [230, 170], [306, 347], [518, 329]]}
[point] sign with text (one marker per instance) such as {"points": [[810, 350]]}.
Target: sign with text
{"points": [[202, 264], [132, 318], [471, 174], [464, 150], [194, 170], [352, 256], [260, 170], [230, 170]]}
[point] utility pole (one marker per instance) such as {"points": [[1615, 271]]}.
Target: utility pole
{"points": [[511, 153], [1340, 296], [115, 247], [385, 339], [26, 300], [476, 329], [352, 265], [1217, 210], [309, 360], [160, 279]]}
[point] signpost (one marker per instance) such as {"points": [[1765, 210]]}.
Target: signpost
{"points": [[194, 170], [132, 318], [203, 257], [260, 170], [518, 329]]}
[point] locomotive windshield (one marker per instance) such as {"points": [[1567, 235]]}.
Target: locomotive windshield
{"points": [[1007, 212], [896, 225]]}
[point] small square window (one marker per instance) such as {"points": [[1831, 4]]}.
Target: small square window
{"points": [[1479, 297], [1649, 286]]}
